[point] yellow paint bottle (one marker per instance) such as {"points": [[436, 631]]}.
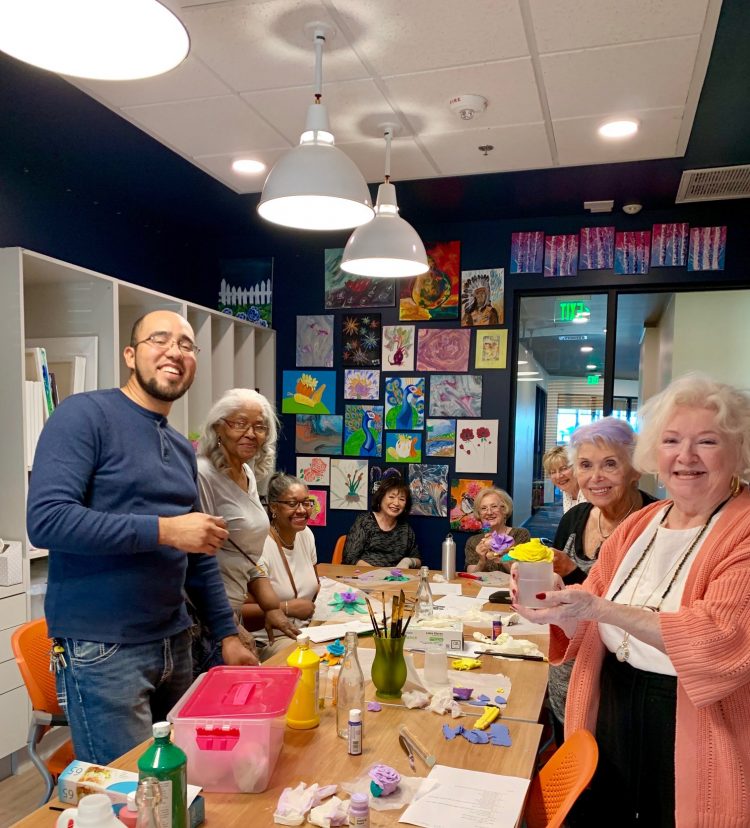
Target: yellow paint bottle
{"points": [[303, 711]]}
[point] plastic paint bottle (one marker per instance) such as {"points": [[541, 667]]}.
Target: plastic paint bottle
{"points": [[128, 814], [355, 732], [167, 763], [359, 811], [303, 710]]}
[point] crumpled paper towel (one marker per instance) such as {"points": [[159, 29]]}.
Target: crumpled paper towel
{"points": [[443, 702], [294, 803], [333, 812]]}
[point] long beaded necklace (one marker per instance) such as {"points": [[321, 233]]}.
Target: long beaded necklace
{"points": [[623, 651]]}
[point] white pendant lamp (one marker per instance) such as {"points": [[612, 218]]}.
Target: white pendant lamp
{"points": [[388, 246], [316, 186], [97, 39]]}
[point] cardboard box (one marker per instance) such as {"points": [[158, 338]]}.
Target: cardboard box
{"points": [[418, 637], [11, 559]]}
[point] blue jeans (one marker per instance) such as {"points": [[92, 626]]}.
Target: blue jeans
{"points": [[112, 693]]}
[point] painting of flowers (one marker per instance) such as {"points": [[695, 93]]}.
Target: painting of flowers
{"points": [[308, 392], [404, 403], [527, 252], [314, 471], [403, 447], [463, 493], [456, 395], [429, 490], [631, 252], [433, 295], [348, 484], [443, 349], [708, 247], [476, 446], [315, 341], [320, 509], [398, 347], [344, 290], [440, 438], [363, 430], [246, 289], [361, 340], [361, 384], [319, 433], [669, 245], [596, 248], [561, 255]]}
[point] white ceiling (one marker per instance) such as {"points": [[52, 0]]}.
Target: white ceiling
{"points": [[552, 71]]}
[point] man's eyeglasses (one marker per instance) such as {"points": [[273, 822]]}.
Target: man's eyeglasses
{"points": [[308, 504], [164, 340], [243, 426]]}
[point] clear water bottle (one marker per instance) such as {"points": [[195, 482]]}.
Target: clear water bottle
{"points": [[424, 607], [148, 802], [449, 557], [351, 686]]}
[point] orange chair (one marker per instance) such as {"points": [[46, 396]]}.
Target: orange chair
{"points": [[338, 550], [31, 648], [559, 783]]}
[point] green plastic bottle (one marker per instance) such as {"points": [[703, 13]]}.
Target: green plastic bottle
{"points": [[168, 764]]}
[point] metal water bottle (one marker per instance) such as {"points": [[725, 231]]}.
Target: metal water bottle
{"points": [[449, 557]]}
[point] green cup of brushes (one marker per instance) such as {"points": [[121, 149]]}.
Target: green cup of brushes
{"points": [[389, 668]]}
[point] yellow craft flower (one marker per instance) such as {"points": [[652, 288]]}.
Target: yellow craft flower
{"points": [[534, 551]]}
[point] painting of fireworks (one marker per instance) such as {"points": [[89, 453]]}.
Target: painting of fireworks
{"points": [[319, 511], [456, 395], [361, 340], [476, 446], [440, 439], [361, 384], [596, 249], [363, 430], [561, 255], [308, 391], [527, 252], [443, 349], [483, 297], [433, 295], [429, 490], [348, 484], [315, 341], [631, 252], [708, 247], [404, 403], [314, 471], [344, 290], [319, 433], [463, 493], [669, 245], [398, 347]]}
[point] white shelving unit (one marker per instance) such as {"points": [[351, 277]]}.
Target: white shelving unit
{"points": [[44, 297]]}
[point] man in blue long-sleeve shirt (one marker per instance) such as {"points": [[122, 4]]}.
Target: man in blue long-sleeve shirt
{"points": [[113, 495]]}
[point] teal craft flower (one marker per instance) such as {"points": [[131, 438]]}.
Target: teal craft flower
{"points": [[396, 575], [337, 648], [348, 602]]}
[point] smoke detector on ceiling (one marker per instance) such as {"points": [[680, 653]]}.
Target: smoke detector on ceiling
{"points": [[467, 106], [632, 208]]}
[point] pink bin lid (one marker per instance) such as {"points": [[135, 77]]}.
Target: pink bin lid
{"points": [[242, 693]]}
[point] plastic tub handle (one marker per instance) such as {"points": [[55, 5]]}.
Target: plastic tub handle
{"points": [[243, 693]]}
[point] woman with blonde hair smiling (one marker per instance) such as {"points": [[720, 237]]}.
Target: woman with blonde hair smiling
{"points": [[493, 507], [559, 469], [660, 629]]}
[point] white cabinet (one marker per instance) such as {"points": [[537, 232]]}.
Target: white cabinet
{"points": [[42, 297]]}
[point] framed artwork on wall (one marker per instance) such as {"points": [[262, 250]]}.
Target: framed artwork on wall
{"points": [[320, 509], [483, 297], [708, 247], [669, 245], [319, 433], [344, 290], [315, 341], [429, 489], [398, 347], [308, 392], [596, 248], [361, 384], [433, 295], [360, 340], [490, 349], [246, 289], [440, 437], [632, 252], [455, 395], [404, 403], [363, 430], [463, 493], [443, 349], [476, 446], [314, 471], [348, 484], [561, 255], [403, 446], [527, 252]]}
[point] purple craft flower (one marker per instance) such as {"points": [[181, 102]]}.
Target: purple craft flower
{"points": [[462, 693], [348, 597], [374, 707], [396, 573], [500, 542], [386, 779]]}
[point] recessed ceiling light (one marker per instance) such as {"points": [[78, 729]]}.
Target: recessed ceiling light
{"points": [[530, 379], [523, 362], [528, 373], [248, 166], [586, 349], [590, 366], [580, 319], [622, 128]]}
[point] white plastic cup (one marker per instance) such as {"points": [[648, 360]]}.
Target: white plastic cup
{"points": [[435, 664], [533, 577]]}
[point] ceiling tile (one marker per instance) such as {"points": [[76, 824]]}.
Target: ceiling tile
{"points": [[515, 148], [578, 24], [407, 159], [509, 87], [220, 166], [578, 142], [205, 127], [616, 79]]}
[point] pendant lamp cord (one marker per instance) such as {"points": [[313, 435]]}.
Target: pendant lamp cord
{"points": [[388, 134], [319, 41]]}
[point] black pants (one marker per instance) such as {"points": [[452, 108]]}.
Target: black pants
{"points": [[635, 731]]}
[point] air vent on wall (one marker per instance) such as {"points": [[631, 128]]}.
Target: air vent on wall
{"points": [[714, 184]]}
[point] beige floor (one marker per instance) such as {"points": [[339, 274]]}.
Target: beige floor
{"points": [[20, 795]]}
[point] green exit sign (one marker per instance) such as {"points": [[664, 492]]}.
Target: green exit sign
{"points": [[573, 310], [592, 379]]}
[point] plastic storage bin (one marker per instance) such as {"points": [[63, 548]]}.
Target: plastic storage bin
{"points": [[231, 722]]}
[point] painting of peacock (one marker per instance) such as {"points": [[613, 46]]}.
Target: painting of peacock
{"points": [[404, 403], [363, 430]]}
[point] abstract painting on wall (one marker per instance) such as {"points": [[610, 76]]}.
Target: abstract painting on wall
{"points": [[491, 348], [561, 255], [378, 476], [398, 347], [246, 289], [443, 349], [361, 384], [597, 248], [320, 509], [463, 493], [708, 247], [669, 245], [440, 439], [632, 252], [476, 446], [429, 490], [314, 471], [455, 395], [319, 433], [483, 297], [403, 447], [344, 290], [404, 403], [363, 430], [360, 340], [433, 295], [348, 484], [527, 252], [315, 341], [308, 392]]}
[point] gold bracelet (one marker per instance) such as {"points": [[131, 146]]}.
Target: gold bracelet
{"points": [[286, 607]]}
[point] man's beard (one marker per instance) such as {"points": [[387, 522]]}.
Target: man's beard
{"points": [[169, 394]]}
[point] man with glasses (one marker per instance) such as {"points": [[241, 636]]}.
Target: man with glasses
{"points": [[113, 496]]}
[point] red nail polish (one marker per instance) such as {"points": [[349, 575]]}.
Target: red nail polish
{"points": [[541, 596]]}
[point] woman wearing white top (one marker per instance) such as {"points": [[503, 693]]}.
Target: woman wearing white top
{"points": [[289, 559]]}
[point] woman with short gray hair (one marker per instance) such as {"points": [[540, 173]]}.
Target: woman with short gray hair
{"points": [[493, 507]]}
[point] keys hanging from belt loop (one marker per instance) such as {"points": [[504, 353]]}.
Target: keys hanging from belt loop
{"points": [[57, 660]]}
